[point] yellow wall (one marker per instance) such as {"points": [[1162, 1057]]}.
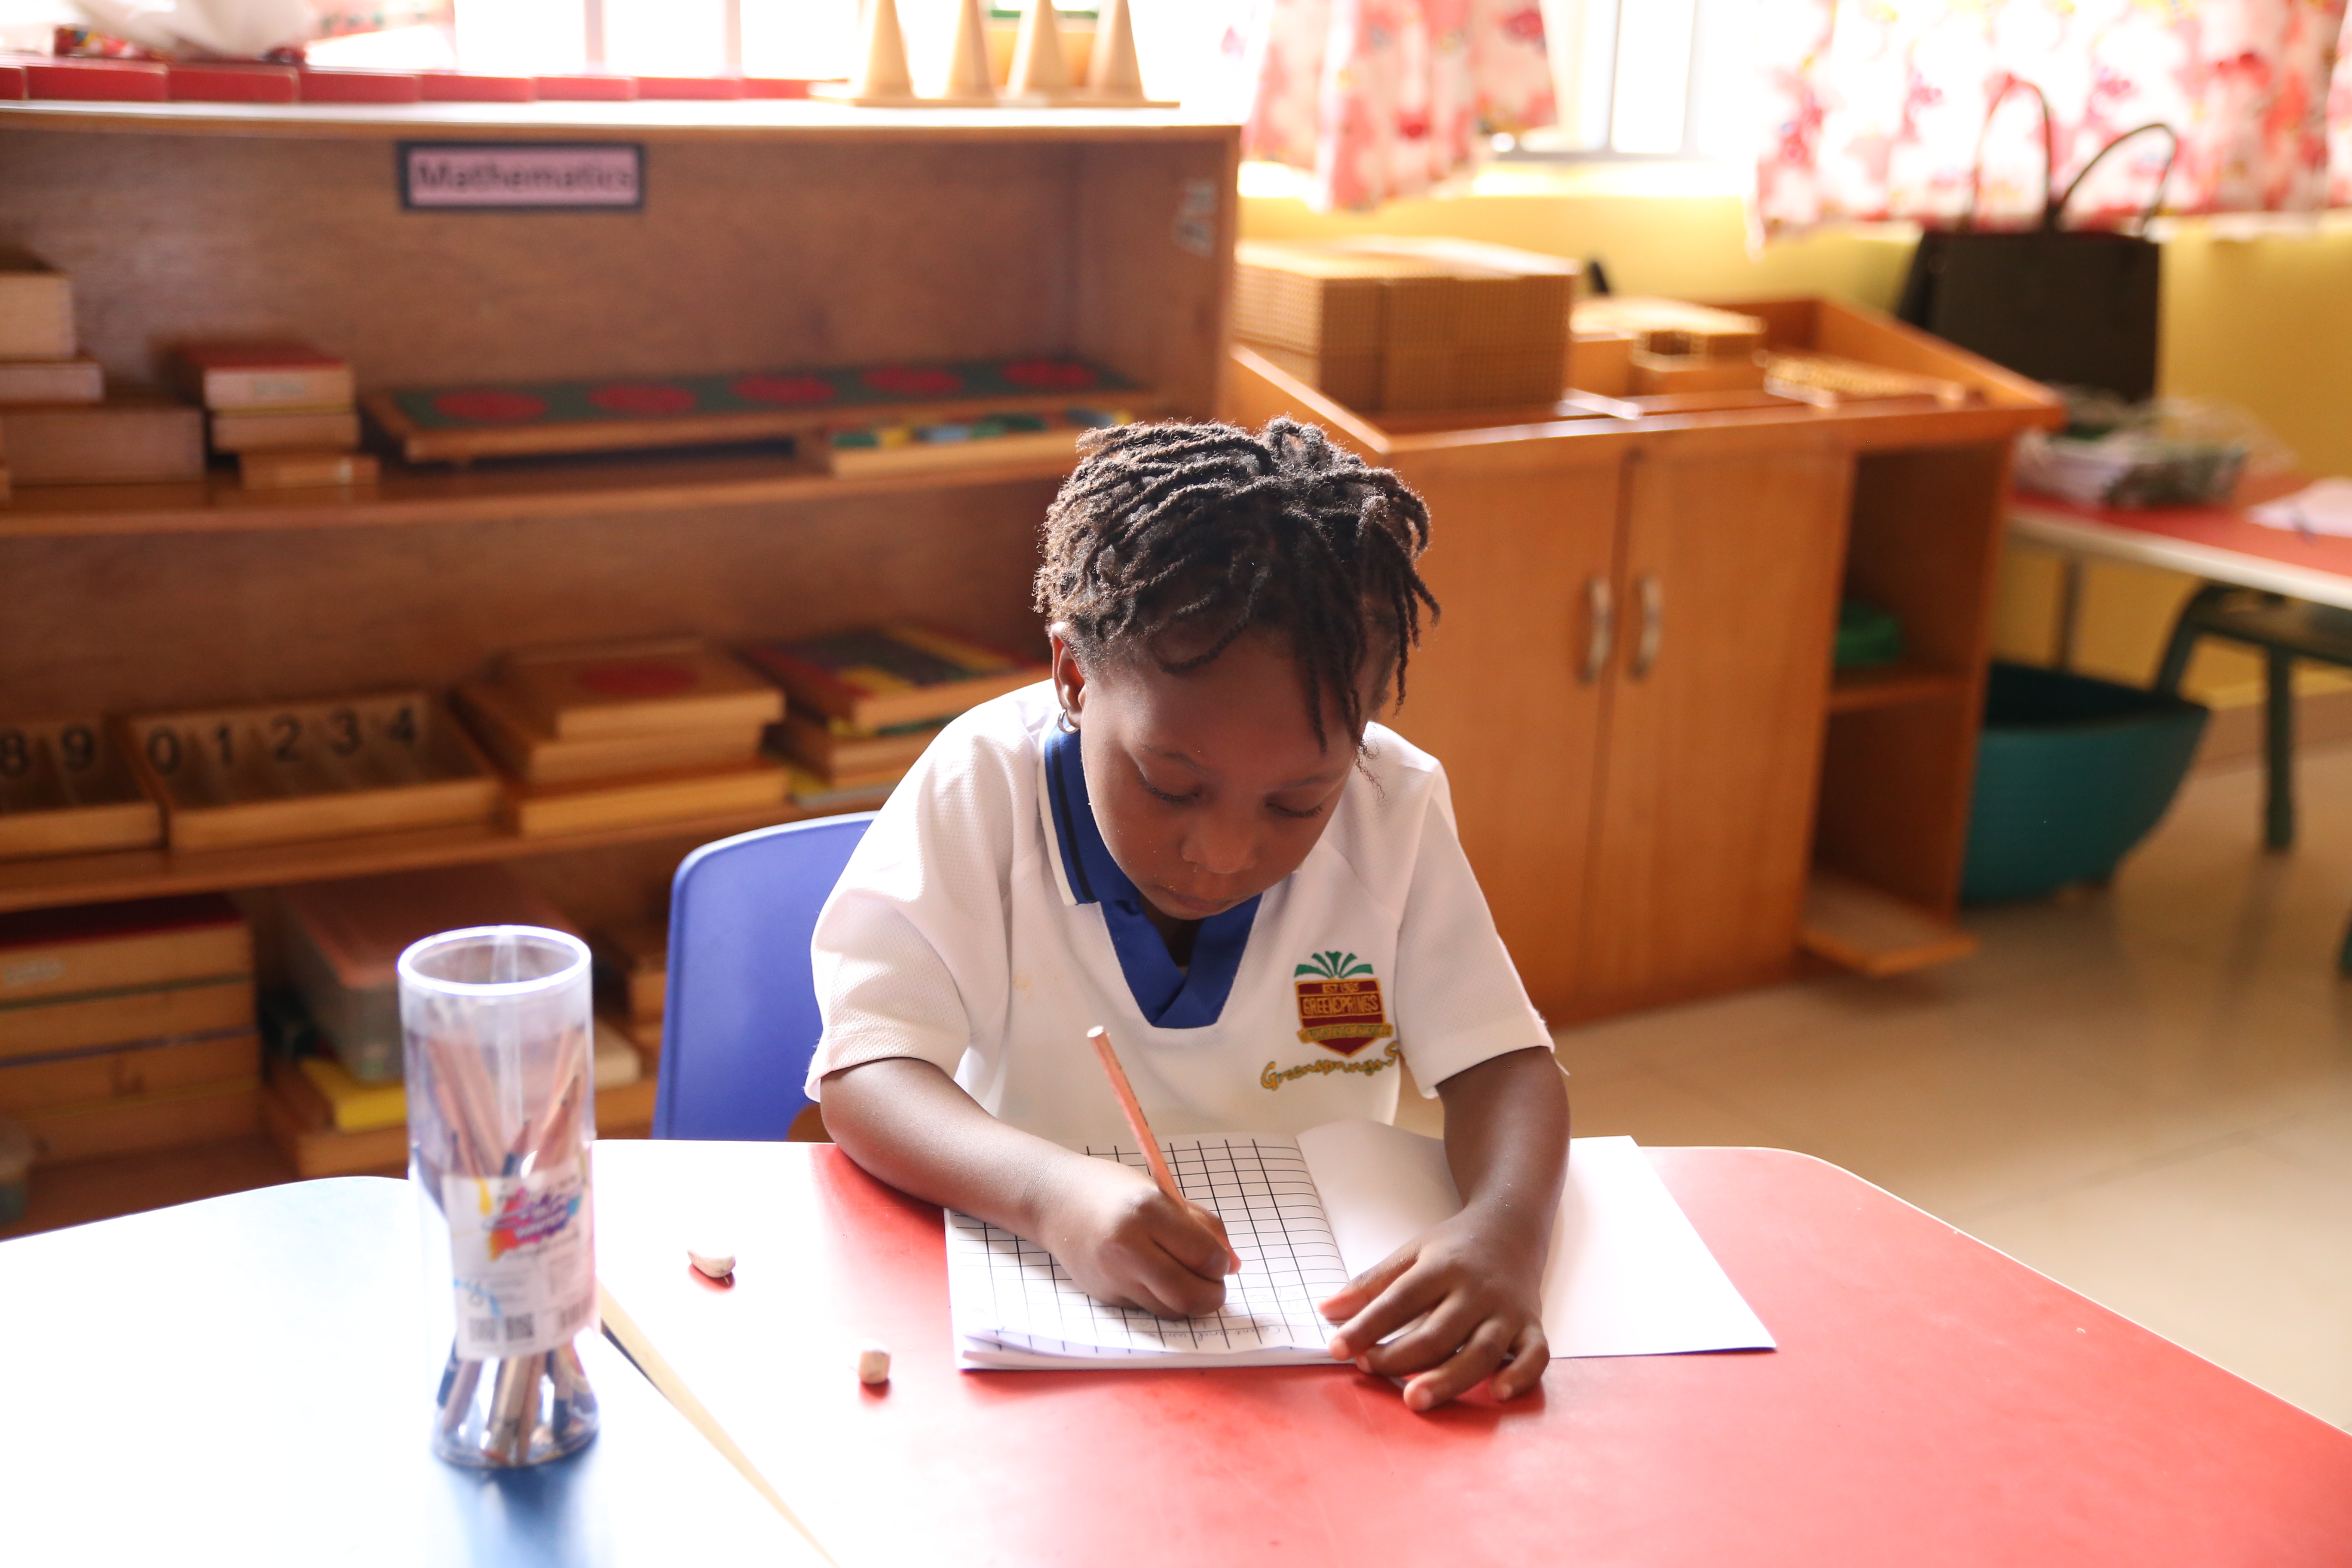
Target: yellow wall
{"points": [[2264, 322]]}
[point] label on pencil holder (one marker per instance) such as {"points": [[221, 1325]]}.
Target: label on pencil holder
{"points": [[520, 1260]]}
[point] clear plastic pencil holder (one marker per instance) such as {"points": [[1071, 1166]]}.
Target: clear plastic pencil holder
{"points": [[496, 1026]]}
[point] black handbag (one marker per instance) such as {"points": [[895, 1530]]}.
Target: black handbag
{"points": [[2075, 307]]}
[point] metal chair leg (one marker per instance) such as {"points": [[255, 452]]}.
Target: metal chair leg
{"points": [[2278, 749], [2186, 630]]}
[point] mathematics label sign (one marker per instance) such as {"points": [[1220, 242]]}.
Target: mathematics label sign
{"points": [[507, 176]]}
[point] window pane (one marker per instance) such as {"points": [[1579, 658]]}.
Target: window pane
{"points": [[1652, 96], [666, 38], [1582, 34], [522, 38], [800, 37], [1724, 118]]}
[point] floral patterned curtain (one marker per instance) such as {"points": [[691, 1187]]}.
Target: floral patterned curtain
{"points": [[1384, 97], [1875, 107]]}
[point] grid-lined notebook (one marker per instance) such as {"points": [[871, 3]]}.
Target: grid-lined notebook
{"points": [[1627, 1274]]}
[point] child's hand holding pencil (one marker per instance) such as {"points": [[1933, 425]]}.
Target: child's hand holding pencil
{"points": [[1134, 1245]]}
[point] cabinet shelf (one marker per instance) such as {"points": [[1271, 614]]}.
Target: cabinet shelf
{"points": [[1870, 932], [504, 489], [149, 873], [1886, 685]]}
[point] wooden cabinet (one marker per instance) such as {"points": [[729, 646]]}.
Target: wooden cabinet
{"points": [[1520, 664], [1657, 771], [1727, 588]]}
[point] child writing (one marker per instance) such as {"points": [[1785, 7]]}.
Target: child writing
{"points": [[1196, 835]]}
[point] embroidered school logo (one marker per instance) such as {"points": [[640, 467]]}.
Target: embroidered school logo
{"points": [[1339, 1004]]}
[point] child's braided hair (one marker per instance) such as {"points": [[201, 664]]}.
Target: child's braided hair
{"points": [[1228, 530]]}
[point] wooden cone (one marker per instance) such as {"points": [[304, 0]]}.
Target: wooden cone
{"points": [[968, 74], [1114, 75], [1041, 69], [885, 74]]}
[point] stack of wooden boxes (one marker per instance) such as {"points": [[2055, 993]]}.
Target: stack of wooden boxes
{"points": [[1639, 346], [285, 411], [614, 733], [1405, 325], [343, 1106], [56, 424], [127, 1027]]}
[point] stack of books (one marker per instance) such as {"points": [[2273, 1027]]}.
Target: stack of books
{"points": [[342, 942], [56, 424], [617, 733], [284, 410], [633, 979], [342, 1105], [127, 1027], [865, 703]]}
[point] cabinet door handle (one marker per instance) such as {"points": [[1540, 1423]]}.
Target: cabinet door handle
{"points": [[1654, 624], [1601, 607]]}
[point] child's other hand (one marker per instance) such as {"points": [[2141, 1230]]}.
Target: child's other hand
{"points": [[1127, 1243], [1477, 1284]]}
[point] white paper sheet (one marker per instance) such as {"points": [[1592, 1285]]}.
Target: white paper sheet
{"points": [[2322, 508], [1015, 1306], [1627, 1274]]}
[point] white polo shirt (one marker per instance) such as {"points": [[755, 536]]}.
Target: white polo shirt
{"points": [[983, 927]]}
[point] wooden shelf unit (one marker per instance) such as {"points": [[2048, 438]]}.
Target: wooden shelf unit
{"points": [[491, 491], [61, 879], [1906, 680], [1651, 829], [770, 234]]}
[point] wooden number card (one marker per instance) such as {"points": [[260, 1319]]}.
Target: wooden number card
{"points": [[290, 770], [65, 789]]}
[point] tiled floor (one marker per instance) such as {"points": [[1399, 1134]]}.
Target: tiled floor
{"points": [[2145, 1093]]}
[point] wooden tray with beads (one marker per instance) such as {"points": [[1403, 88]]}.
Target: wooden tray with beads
{"points": [[66, 788], [279, 772]]}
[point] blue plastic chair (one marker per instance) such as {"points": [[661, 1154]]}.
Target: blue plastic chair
{"points": [[739, 1017]]}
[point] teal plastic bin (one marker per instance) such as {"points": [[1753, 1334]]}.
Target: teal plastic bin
{"points": [[2071, 772]]}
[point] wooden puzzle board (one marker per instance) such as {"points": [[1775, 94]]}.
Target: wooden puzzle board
{"points": [[458, 424]]}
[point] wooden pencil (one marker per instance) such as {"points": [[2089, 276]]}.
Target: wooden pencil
{"points": [[1133, 1109]]}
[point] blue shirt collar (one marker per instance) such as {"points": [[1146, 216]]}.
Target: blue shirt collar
{"points": [[1169, 997]]}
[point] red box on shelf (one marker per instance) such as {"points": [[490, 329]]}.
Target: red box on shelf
{"points": [[778, 86], [12, 80], [590, 86], [359, 87], [465, 87], [695, 87], [97, 81], [211, 83]]}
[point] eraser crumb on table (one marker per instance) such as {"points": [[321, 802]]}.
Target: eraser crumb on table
{"points": [[712, 1263], [873, 1362]]}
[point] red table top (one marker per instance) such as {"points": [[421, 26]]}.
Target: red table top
{"points": [[1932, 1402], [2216, 541]]}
